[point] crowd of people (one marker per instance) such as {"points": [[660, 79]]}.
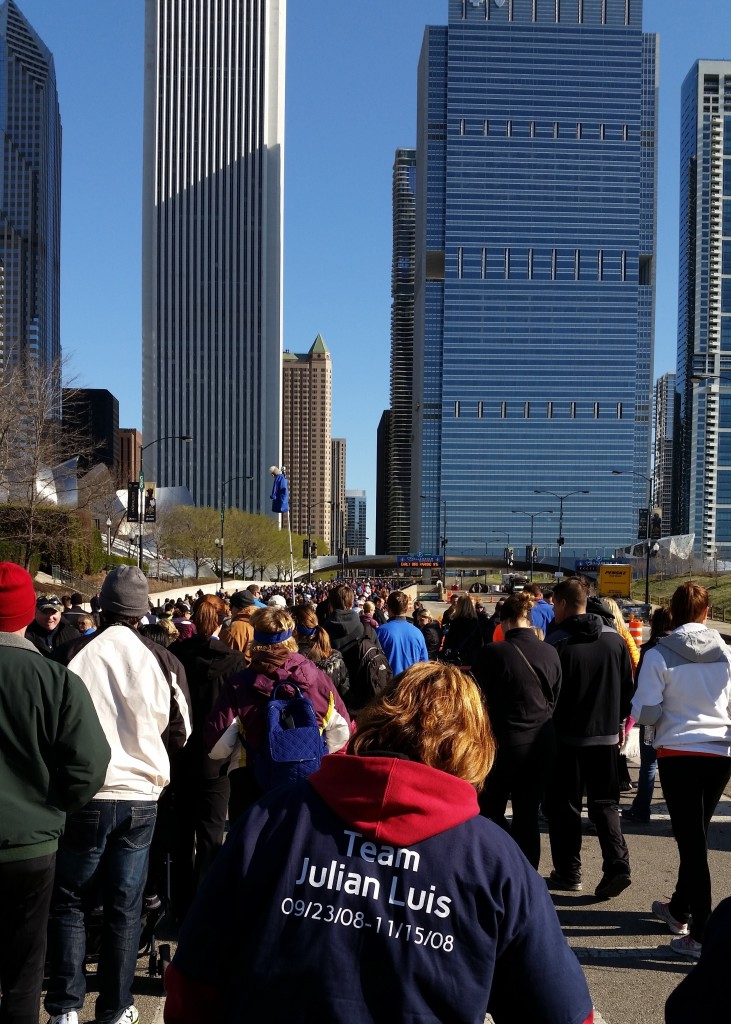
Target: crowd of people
{"points": [[133, 737]]}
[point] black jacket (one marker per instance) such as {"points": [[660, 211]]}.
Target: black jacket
{"points": [[432, 638], [48, 643], [596, 688], [345, 629], [208, 663], [464, 639], [519, 705]]}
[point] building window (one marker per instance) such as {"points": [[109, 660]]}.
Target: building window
{"points": [[572, 410], [549, 410], [600, 265], [596, 410], [619, 410], [526, 410], [503, 410], [460, 262], [480, 410], [456, 410], [507, 264]]}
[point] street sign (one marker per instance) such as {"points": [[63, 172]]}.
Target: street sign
{"points": [[587, 565]]}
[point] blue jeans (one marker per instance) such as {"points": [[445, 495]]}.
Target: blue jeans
{"points": [[102, 859], [646, 780]]}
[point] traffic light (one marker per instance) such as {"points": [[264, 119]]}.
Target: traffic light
{"points": [[305, 548], [313, 549]]}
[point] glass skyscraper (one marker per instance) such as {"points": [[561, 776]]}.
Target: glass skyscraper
{"points": [[212, 246], [30, 197], [535, 273], [702, 448]]}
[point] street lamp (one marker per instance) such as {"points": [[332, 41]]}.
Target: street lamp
{"points": [[532, 516], [219, 541], [650, 548], [109, 536], [186, 439], [561, 499]]}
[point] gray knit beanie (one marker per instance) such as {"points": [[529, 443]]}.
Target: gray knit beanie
{"points": [[124, 592]]}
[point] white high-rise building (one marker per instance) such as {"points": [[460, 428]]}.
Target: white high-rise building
{"points": [[212, 246]]}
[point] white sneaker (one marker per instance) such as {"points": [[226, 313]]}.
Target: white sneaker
{"points": [[130, 1016], [70, 1017]]}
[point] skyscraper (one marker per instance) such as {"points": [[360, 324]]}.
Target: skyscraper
{"points": [[398, 462], [702, 480], [306, 438], [355, 534], [339, 510], [664, 414], [212, 245], [30, 197], [535, 271]]}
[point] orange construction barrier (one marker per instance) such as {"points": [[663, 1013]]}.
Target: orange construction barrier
{"points": [[635, 628]]}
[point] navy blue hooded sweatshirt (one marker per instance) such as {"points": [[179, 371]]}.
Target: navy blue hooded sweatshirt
{"points": [[374, 891]]}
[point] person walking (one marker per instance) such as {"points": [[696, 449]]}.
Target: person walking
{"points": [[521, 680], [54, 758], [140, 694], [684, 693], [467, 634], [402, 643], [593, 703]]}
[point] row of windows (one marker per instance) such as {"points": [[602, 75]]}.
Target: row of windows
{"points": [[550, 265], [555, 10], [552, 409], [537, 130]]}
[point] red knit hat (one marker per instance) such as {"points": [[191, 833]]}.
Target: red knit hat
{"points": [[17, 598]]}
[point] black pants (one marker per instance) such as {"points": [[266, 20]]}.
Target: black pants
{"points": [[692, 787], [197, 827], [593, 769], [25, 899], [520, 774]]}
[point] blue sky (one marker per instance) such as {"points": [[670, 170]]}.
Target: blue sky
{"points": [[351, 102]]}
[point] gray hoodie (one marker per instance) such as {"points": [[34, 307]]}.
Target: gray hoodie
{"points": [[684, 690]]}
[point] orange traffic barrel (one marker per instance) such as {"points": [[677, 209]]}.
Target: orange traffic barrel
{"points": [[635, 628]]}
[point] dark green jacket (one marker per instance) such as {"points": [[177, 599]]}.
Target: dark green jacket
{"points": [[53, 751]]}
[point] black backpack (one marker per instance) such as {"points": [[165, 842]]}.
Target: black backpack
{"points": [[370, 674]]}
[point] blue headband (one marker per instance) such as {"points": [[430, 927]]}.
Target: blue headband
{"points": [[306, 630], [272, 638]]}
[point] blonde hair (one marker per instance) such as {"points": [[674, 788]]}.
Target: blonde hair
{"points": [[434, 714], [369, 607], [616, 612], [273, 619]]}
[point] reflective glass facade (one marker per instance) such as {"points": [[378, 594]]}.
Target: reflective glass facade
{"points": [[212, 246], [30, 196], [702, 481], [536, 181]]}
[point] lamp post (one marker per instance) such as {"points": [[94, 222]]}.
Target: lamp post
{"points": [[649, 546], [186, 438], [532, 516], [109, 536], [219, 540], [561, 499]]}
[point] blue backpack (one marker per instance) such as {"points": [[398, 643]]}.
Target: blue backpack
{"points": [[293, 745]]}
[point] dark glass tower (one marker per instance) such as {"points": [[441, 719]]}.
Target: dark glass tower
{"points": [[535, 271], [30, 197], [398, 537], [702, 449]]}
